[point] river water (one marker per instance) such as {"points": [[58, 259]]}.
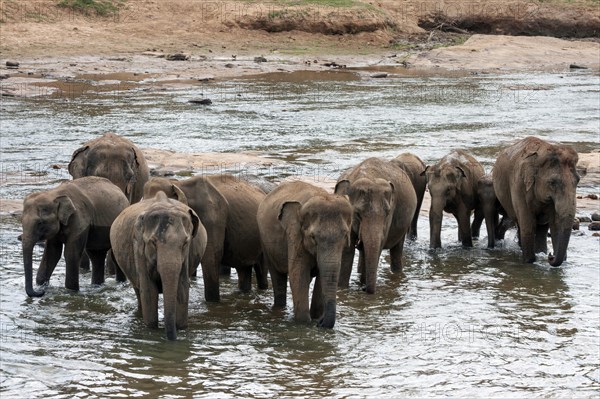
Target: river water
{"points": [[456, 322]]}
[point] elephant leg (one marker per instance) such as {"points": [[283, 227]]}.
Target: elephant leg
{"points": [[244, 278], [464, 227], [346, 267], [279, 281], [84, 263], [299, 284], [148, 300], [476, 225], [316, 304], [139, 300], [541, 238], [111, 267], [50, 258], [396, 255], [211, 262], [262, 279], [361, 267], [527, 236], [97, 258], [73, 252]]}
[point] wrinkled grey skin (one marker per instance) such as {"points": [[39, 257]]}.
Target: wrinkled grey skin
{"points": [[304, 231], [452, 183], [151, 243], [414, 167], [227, 207], [75, 215], [384, 203], [535, 182], [492, 210], [115, 158]]}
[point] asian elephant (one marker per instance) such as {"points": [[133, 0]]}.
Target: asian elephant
{"points": [[413, 166], [151, 242], [492, 210], [452, 183], [227, 207], [535, 182], [75, 215], [304, 231], [115, 158], [384, 203]]}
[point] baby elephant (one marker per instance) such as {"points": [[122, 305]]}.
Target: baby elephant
{"points": [[151, 243], [75, 215], [304, 231], [492, 210]]}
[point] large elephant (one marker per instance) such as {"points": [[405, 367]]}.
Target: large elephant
{"points": [[452, 183], [304, 231], [414, 167], [384, 203], [151, 241], [492, 210], [535, 182], [227, 207], [115, 158], [77, 215]]}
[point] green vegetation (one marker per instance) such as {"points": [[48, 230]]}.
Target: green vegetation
{"points": [[100, 7]]}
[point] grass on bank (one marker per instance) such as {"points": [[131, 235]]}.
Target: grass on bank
{"points": [[99, 7]]}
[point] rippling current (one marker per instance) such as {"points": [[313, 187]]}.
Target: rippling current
{"points": [[456, 322]]}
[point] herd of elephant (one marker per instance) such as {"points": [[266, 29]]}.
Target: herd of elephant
{"points": [[157, 231]]}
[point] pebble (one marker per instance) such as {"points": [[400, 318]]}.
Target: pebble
{"points": [[177, 57], [596, 217], [260, 59], [584, 219], [596, 235], [594, 226], [203, 101], [592, 196], [379, 75]]}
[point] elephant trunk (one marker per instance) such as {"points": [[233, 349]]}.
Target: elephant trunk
{"points": [[28, 244], [491, 219], [436, 213], [372, 237], [169, 269], [329, 271], [561, 233]]}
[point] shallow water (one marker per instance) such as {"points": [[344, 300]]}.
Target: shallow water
{"points": [[455, 323]]}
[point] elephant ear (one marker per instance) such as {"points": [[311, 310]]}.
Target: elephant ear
{"points": [[529, 170], [65, 210], [289, 216], [195, 221], [179, 195], [461, 172], [78, 162], [342, 187]]}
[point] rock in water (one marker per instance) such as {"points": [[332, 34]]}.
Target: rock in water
{"points": [[202, 101], [594, 226]]}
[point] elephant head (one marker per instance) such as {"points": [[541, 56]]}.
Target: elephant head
{"points": [[445, 184], [43, 215], [156, 184], [318, 229], [162, 239], [550, 180], [114, 158], [373, 202]]}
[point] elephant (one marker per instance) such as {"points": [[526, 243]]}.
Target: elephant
{"points": [[77, 215], [227, 207], [535, 182], [384, 203], [151, 241], [413, 166], [115, 158], [492, 210], [304, 231], [452, 183]]}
